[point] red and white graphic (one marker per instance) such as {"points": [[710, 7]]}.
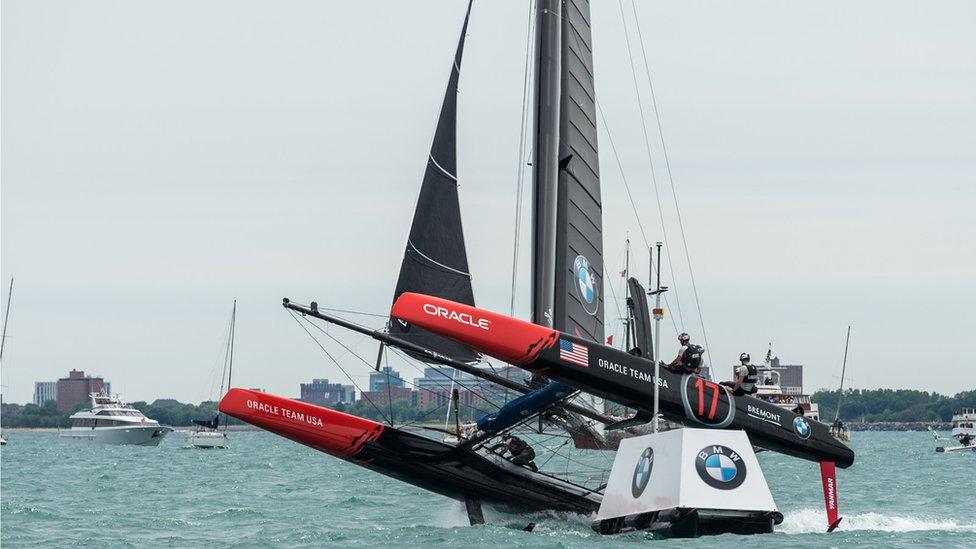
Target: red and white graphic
{"points": [[574, 353]]}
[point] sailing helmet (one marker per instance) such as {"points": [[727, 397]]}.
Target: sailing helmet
{"points": [[684, 337], [744, 356]]}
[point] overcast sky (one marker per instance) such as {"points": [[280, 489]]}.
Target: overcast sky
{"points": [[161, 159]]}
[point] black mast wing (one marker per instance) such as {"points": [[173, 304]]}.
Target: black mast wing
{"points": [[579, 217], [435, 261], [568, 216], [641, 318]]}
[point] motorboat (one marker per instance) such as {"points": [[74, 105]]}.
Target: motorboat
{"points": [[963, 431], [111, 421]]}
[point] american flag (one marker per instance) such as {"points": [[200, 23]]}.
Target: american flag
{"points": [[573, 353]]}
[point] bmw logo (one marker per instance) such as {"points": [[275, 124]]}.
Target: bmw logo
{"points": [[585, 284], [720, 467], [642, 473], [802, 427]]}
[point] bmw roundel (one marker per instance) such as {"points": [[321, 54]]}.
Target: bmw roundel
{"points": [[586, 284], [642, 472], [720, 467], [802, 427]]}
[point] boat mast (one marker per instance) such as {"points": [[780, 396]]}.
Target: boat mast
{"points": [[6, 316], [658, 316], [545, 178], [230, 349], [627, 320], [843, 371]]}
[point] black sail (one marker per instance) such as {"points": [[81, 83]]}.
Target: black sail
{"points": [[579, 215], [641, 318], [435, 261], [568, 236]]}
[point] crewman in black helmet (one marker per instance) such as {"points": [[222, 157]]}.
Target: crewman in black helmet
{"points": [[689, 359], [746, 377]]}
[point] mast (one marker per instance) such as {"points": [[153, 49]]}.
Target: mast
{"points": [[658, 315], [627, 321], [6, 317], [233, 333], [545, 179], [843, 371]]}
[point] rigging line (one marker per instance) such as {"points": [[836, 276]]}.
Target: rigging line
{"points": [[650, 161], [341, 369], [674, 194], [520, 177], [633, 205], [606, 128], [435, 262], [439, 371], [387, 374], [349, 311]]}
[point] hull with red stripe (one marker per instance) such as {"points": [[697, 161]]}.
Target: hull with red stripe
{"points": [[430, 464], [621, 377]]}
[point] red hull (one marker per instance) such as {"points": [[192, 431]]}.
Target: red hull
{"points": [[329, 431]]}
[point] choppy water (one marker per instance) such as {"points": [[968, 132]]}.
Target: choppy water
{"points": [[265, 490]]}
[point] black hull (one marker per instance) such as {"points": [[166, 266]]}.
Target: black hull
{"points": [[464, 474]]}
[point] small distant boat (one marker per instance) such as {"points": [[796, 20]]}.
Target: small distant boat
{"points": [[111, 421], [963, 431], [2, 440], [837, 429], [771, 390], [208, 433]]}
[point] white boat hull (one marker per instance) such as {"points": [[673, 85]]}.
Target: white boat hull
{"points": [[206, 439], [150, 435]]}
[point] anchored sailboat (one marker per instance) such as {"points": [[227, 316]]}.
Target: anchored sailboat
{"points": [[208, 434]]}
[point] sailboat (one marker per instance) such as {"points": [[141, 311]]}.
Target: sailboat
{"points": [[208, 434], [434, 315], [837, 429], [3, 337]]}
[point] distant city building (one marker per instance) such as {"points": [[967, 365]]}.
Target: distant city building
{"points": [[379, 380], [320, 391], [45, 391], [387, 394], [73, 391]]}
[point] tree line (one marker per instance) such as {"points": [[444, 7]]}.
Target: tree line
{"points": [[176, 415], [900, 405]]}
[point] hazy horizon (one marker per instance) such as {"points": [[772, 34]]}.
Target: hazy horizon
{"points": [[159, 161]]}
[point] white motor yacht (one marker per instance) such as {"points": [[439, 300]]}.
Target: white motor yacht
{"points": [[111, 421]]}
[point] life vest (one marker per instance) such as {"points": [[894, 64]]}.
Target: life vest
{"points": [[752, 378], [691, 358]]}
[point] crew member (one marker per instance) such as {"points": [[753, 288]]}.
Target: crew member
{"points": [[689, 359], [746, 377], [522, 453]]}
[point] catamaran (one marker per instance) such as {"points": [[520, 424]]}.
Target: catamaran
{"points": [[208, 434], [434, 321]]}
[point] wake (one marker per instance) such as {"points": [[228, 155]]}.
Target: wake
{"points": [[806, 521]]}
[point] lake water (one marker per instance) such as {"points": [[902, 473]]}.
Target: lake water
{"points": [[265, 490]]}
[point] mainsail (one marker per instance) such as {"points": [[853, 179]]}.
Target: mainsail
{"points": [[435, 261]]}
